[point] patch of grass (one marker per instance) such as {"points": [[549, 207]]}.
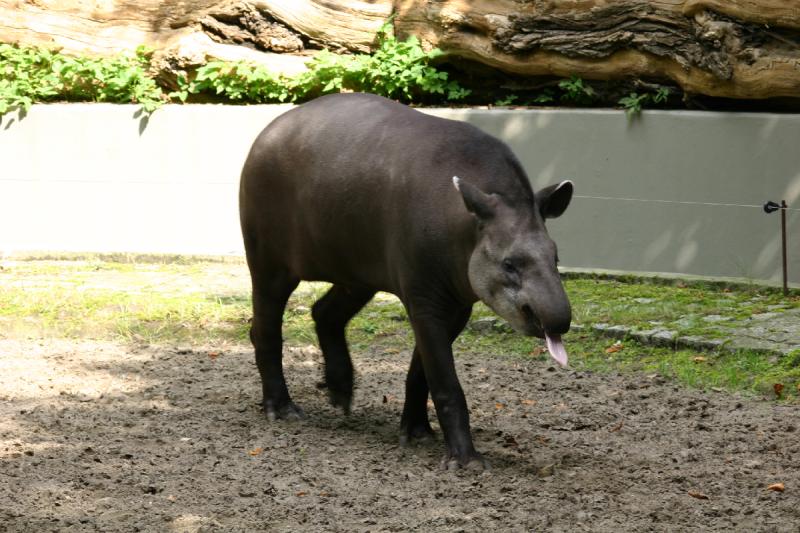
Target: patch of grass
{"points": [[744, 371], [694, 309], [142, 316], [200, 303], [149, 303]]}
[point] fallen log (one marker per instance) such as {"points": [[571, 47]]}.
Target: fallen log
{"points": [[747, 49], [744, 49]]}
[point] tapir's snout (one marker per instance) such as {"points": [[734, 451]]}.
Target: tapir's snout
{"points": [[554, 318], [557, 321], [549, 314]]}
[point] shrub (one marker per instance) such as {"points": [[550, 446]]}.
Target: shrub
{"points": [[397, 69], [41, 75]]}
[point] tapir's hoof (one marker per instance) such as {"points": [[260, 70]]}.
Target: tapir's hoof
{"points": [[475, 463], [416, 433], [343, 399], [287, 411]]}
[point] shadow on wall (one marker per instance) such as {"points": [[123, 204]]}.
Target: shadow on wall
{"points": [[12, 117], [678, 192]]}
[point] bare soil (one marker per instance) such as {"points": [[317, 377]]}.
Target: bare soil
{"points": [[98, 436]]}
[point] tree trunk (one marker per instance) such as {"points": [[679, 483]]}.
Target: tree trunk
{"points": [[736, 49]]}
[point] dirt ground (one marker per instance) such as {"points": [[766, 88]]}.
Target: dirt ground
{"points": [[105, 437]]}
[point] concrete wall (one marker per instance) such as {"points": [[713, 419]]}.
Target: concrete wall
{"points": [[96, 178]]}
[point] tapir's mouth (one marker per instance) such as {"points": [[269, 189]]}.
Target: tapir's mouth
{"points": [[533, 326]]}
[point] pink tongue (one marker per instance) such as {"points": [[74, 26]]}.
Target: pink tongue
{"points": [[556, 349]]}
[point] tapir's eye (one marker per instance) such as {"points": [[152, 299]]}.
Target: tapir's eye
{"points": [[509, 267]]}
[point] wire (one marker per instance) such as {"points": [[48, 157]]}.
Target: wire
{"points": [[184, 182], [711, 204]]}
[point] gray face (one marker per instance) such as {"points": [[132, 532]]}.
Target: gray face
{"points": [[513, 266]]}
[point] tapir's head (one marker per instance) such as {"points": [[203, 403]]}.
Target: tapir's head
{"points": [[513, 266]]}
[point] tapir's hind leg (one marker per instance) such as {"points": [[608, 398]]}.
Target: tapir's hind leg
{"points": [[414, 423], [331, 314], [271, 291]]}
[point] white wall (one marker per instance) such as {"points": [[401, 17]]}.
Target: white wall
{"points": [[93, 178]]}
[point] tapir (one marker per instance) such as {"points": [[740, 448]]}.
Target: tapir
{"points": [[371, 195]]}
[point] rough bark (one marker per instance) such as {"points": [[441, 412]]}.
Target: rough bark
{"points": [[737, 48]]}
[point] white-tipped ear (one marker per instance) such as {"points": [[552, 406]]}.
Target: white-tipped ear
{"points": [[478, 203], [553, 200]]}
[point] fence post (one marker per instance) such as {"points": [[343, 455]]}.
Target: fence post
{"points": [[771, 207]]}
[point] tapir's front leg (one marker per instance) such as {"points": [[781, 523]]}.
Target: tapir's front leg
{"points": [[414, 424], [432, 327]]}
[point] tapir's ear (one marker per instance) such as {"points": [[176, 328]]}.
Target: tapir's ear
{"points": [[478, 203], [553, 200]]}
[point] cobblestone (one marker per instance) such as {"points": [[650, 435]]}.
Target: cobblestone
{"points": [[776, 332]]}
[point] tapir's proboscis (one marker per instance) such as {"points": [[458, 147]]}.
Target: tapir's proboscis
{"points": [[371, 195]]}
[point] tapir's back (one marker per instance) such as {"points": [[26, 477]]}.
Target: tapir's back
{"points": [[347, 188]]}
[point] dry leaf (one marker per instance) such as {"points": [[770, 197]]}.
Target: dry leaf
{"points": [[213, 355], [528, 402], [699, 359], [614, 348], [510, 442], [539, 350], [617, 427], [256, 451], [546, 471], [698, 495], [777, 487], [301, 493], [778, 388], [498, 405]]}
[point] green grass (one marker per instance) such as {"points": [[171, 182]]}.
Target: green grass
{"points": [[201, 303], [680, 308]]}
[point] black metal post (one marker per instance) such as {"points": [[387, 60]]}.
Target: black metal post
{"points": [[771, 207], [783, 237]]}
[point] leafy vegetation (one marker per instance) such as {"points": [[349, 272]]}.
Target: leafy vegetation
{"points": [[40, 75], [161, 304], [633, 103], [397, 69], [238, 82], [576, 91]]}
